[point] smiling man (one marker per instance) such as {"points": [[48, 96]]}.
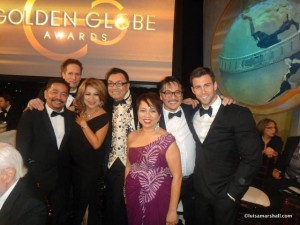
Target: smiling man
{"points": [[123, 109], [71, 71], [42, 141], [227, 152]]}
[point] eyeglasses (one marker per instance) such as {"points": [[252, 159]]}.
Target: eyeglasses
{"points": [[118, 84], [270, 127], [170, 93]]}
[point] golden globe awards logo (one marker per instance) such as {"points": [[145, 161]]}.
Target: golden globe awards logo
{"points": [[76, 28]]}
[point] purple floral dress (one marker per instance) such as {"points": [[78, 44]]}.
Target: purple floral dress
{"points": [[148, 184]]}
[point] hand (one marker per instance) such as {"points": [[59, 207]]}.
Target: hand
{"points": [[227, 100], [81, 121], [71, 108], [270, 152], [36, 104], [171, 218], [276, 174], [190, 101]]}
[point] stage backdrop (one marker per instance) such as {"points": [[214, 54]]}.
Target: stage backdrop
{"points": [[254, 48], [37, 35]]}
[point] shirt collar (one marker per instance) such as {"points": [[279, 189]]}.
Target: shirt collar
{"points": [[216, 105], [49, 110]]}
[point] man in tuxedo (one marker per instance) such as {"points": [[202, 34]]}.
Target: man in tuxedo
{"points": [[19, 203], [122, 107], [227, 152], [42, 140], [11, 113], [71, 71], [174, 119]]}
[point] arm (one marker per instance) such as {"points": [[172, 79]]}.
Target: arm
{"points": [[249, 150], [95, 139], [36, 104], [174, 163]]}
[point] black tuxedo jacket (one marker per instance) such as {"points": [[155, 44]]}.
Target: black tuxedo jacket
{"points": [[187, 110], [230, 155], [286, 156], [12, 117], [23, 207], [36, 142]]}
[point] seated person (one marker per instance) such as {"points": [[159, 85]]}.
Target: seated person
{"points": [[19, 204], [10, 112], [271, 145]]}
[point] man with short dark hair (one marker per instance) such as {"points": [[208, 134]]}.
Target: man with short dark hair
{"points": [[228, 152], [10, 113], [42, 141]]}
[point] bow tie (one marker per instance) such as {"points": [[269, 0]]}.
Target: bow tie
{"points": [[73, 94], [4, 111], [205, 111], [53, 114], [171, 115], [116, 103]]}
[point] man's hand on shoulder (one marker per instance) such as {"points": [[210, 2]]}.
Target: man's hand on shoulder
{"points": [[190, 101], [36, 104], [227, 100]]}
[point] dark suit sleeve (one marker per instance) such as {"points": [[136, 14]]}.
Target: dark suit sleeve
{"points": [[24, 135], [248, 145]]}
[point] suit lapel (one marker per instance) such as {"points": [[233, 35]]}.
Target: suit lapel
{"points": [[162, 122], [48, 125], [67, 120], [10, 201]]}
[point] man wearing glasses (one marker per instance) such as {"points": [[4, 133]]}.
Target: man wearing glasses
{"points": [[174, 120], [121, 105], [176, 111]]}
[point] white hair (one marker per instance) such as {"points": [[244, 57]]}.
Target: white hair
{"points": [[11, 158]]}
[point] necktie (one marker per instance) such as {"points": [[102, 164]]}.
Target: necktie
{"points": [[171, 115], [205, 111], [53, 114]]}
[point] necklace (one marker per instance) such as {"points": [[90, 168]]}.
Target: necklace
{"points": [[88, 116]]}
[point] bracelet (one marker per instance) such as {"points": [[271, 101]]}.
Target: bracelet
{"points": [[83, 127]]}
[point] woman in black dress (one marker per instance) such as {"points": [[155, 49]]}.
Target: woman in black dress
{"points": [[88, 134]]}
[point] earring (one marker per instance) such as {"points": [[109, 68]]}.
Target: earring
{"points": [[138, 127], [101, 104], [157, 128]]}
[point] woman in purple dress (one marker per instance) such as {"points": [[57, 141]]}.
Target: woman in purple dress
{"points": [[153, 170]]}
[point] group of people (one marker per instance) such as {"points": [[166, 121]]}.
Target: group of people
{"points": [[107, 156]]}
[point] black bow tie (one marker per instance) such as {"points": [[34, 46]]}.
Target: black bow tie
{"points": [[116, 103], [205, 111], [73, 94], [4, 110], [53, 114], [171, 115]]}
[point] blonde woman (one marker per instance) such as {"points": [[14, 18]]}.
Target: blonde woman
{"points": [[87, 136]]}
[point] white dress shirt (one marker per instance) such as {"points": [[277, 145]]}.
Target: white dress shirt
{"points": [[58, 124], [202, 124], [178, 127]]}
